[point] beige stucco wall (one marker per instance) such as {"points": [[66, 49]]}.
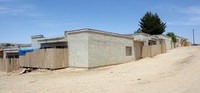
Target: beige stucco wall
{"points": [[88, 49]]}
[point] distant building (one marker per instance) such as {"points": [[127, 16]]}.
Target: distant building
{"points": [[152, 39], [39, 41], [11, 53], [163, 39], [144, 38]]}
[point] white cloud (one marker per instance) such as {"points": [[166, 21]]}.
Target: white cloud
{"points": [[196, 18], [192, 10], [190, 15], [10, 10], [183, 23], [24, 9]]}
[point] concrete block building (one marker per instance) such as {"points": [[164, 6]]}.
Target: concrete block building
{"points": [[89, 48], [147, 39], [93, 48], [11, 53], [141, 37], [180, 41], [163, 39], [39, 41]]}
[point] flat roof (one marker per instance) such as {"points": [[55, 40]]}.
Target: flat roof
{"points": [[51, 38], [180, 37], [162, 35], [11, 49], [97, 31], [138, 34], [141, 33], [138, 41]]}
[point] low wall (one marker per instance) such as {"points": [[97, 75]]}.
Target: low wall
{"points": [[150, 51], [9, 65], [163, 48], [155, 50], [146, 51], [187, 44], [45, 58]]}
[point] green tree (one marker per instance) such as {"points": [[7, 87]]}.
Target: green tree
{"points": [[151, 24], [172, 35], [8, 44], [138, 31]]}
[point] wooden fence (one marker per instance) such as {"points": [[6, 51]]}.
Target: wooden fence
{"points": [[163, 48], [150, 51], [45, 58], [186, 44], [9, 65]]}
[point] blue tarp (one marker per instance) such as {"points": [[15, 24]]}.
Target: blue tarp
{"points": [[22, 52]]}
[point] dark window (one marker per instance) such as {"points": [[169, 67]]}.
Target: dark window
{"points": [[128, 51]]}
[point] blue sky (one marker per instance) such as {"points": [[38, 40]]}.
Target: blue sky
{"points": [[20, 19]]}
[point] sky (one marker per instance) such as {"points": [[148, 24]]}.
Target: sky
{"points": [[21, 19]]}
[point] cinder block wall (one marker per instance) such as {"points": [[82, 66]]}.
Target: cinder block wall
{"points": [[88, 49], [107, 50], [78, 49]]}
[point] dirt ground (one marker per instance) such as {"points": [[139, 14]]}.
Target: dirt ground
{"points": [[177, 71]]}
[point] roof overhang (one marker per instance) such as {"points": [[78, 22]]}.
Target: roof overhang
{"points": [[11, 50], [138, 41], [153, 40], [53, 40]]}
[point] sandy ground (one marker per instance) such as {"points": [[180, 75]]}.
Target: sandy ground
{"points": [[177, 71]]}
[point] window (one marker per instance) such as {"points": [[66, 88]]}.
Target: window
{"points": [[128, 51], [64, 46], [12, 56], [164, 42], [160, 42]]}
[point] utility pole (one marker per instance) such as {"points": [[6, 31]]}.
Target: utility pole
{"points": [[193, 38]]}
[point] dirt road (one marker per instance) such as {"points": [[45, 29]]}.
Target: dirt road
{"points": [[177, 71]]}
